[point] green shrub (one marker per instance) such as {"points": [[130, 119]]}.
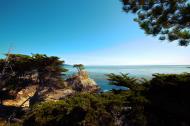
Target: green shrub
{"points": [[80, 110], [162, 101], [169, 100]]}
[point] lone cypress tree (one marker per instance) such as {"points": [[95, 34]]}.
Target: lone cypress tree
{"points": [[79, 67]]}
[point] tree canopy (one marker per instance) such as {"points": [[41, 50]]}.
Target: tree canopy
{"points": [[79, 67], [162, 101], [36, 69], [168, 19]]}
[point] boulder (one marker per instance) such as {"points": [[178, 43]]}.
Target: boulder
{"points": [[47, 94], [22, 97], [82, 83]]}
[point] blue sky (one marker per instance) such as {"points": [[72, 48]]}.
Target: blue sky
{"points": [[91, 32]]}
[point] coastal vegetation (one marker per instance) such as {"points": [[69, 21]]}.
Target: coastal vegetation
{"points": [[162, 101], [21, 71], [79, 67], [80, 110]]}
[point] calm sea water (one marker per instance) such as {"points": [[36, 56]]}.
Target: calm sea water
{"points": [[98, 73]]}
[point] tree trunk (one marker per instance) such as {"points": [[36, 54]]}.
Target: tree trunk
{"points": [[1, 103]]}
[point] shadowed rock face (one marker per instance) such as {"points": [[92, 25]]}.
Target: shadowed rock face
{"points": [[21, 97], [48, 94], [82, 83]]}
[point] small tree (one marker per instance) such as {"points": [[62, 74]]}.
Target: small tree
{"points": [[136, 100], [79, 67]]}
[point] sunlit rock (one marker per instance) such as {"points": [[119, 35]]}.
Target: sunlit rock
{"points": [[82, 83]]}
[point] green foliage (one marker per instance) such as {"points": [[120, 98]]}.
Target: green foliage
{"points": [[48, 71], [79, 67], [162, 101], [80, 110], [123, 80], [136, 99], [169, 96], [169, 19]]}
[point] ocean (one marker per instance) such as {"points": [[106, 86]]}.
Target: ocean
{"points": [[98, 73]]}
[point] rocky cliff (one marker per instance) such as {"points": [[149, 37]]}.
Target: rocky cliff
{"points": [[22, 97], [82, 82], [77, 83], [32, 94]]}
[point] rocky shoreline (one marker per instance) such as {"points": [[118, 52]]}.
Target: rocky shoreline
{"points": [[77, 83], [31, 94]]}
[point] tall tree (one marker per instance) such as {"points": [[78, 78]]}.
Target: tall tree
{"points": [[48, 72], [162, 101], [168, 19]]}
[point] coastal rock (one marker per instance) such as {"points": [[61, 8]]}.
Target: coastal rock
{"points": [[32, 94], [48, 94], [22, 97], [77, 83], [82, 83]]}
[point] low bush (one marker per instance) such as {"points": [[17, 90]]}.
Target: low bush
{"points": [[80, 110]]}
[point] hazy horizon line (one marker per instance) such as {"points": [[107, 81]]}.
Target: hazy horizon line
{"points": [[134, 65]]}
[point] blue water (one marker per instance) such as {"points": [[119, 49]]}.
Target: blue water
{"points": [[98, 72]]}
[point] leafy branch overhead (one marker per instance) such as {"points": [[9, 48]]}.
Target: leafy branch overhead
{"points": [[168, 19]]}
